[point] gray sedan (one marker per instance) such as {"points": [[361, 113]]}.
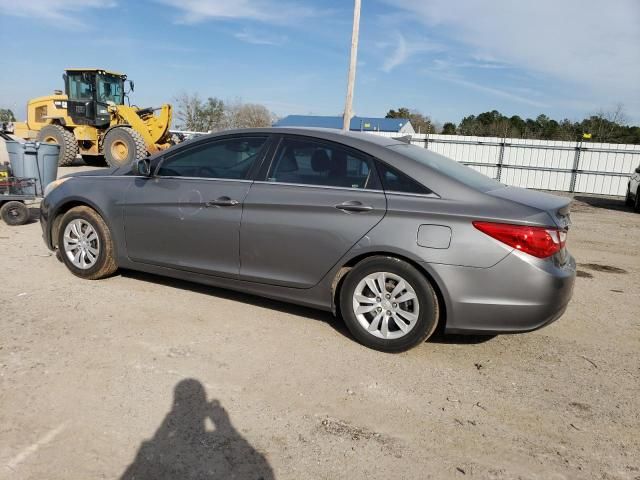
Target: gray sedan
{"points": [[397, 240]]}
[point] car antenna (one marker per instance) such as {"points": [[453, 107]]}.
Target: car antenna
{"points": [[405, 139]]}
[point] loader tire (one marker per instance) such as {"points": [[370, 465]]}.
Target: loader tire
{"points": [[122, 146], [63, 137]]}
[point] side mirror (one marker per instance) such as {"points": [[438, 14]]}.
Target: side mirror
{"points": [[131, 85], [142, 167]]}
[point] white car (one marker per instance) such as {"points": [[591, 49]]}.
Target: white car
{"points": [[633, 190]]}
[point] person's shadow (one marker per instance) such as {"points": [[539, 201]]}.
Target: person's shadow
{"points": [[183, 448]]}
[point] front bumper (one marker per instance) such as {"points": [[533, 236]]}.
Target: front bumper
{"points": [[519, 294], [45, 214]]}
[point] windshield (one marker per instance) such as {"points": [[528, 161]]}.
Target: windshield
{"points": [[451, 168], [110, 89]]}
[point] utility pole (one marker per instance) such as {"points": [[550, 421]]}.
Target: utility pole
{"points": [[348, 106]]}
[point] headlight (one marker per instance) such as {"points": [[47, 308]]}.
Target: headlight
{"points": [[53, 185]]}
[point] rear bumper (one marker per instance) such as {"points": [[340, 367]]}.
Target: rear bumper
{"points": [[519, 294]]}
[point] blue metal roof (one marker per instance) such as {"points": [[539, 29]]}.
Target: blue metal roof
{"points": [[366, 124]]}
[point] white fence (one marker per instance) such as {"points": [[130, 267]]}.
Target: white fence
{"points": [[600, 168]]}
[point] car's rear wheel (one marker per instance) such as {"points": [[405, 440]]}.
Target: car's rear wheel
{"points": [[636, 205], [388, 305], [85, 244]]}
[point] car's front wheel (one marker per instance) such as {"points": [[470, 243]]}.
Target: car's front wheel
{"points": [[85, 245], [388, 305]]}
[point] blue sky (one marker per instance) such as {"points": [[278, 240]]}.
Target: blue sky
{"points": [[446, 58]]}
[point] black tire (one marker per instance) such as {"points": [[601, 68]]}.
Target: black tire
{"points": [[94, 160], [67, 141], [428, 312], [14, 213], [122, 146], [105, 264], [636, 204]]}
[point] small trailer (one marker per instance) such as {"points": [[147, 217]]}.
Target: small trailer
{"points": [[32, 166]]}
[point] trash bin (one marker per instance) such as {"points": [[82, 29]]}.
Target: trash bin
{"points": [[34, 160]]}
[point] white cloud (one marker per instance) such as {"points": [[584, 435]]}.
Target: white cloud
{"points": [[403, 50], [61, 11], [590, 44], [268, 11], [260, 38], [450, 71], [496, 92]]}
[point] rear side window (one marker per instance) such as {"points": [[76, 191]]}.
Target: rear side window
{"points": [[395, 181], [229, 158], [308, 162], [448, 167]]}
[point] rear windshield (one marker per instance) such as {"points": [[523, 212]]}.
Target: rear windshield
{"points": [[451, 168]]}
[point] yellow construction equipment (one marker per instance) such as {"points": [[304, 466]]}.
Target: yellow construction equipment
{"points": [[91, 119]]}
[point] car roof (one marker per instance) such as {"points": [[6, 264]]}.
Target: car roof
{"points": [[320, 133]]}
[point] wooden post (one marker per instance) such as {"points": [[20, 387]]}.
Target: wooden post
{"points": [[348, 106]]}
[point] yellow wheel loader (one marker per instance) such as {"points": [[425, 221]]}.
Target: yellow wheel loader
{"points": [[91, 119]]}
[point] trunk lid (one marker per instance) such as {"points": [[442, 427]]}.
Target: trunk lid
{"points": [[555, 206]]}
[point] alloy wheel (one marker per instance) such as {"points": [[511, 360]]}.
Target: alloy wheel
{"points": [[81, 244], [386, 305]]}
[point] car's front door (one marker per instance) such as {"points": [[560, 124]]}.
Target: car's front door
{"points": [[317, 201], [187, 215]]}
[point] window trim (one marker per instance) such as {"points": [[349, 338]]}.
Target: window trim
{"points": [[264, 172], [251, 173], [325, 187]]}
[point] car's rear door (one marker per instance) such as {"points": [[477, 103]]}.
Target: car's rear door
{"points": [[317, 200], [187, 215]]}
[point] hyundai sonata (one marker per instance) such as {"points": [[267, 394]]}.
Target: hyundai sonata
{"points": [[394, 238]]}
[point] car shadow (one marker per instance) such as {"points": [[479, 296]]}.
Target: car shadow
{"points": [[289, 308], [335, 322], [608, 203], [457, 339], [34, 215], [184, 448]]}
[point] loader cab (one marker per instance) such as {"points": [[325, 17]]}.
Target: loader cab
{"points": [[90, 92]]}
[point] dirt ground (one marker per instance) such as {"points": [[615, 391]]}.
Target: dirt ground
{"points": [[120, 377]]}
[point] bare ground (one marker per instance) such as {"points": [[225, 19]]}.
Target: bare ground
{"points": [[88, 373]]}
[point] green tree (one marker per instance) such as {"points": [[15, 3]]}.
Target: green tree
{"points": [[6, 115], [421, 123], [449, 128], [604, 126]]}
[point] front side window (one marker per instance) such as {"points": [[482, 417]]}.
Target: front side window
{"points": [[110, 89], [308, 162], [228, 159], [81, 87]]}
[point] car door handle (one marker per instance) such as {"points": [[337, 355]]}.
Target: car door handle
{"points": [[353, 206], [222, 202]]}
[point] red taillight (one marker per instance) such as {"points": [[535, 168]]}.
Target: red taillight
{"points": [[541, 242]]}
